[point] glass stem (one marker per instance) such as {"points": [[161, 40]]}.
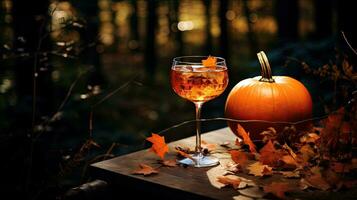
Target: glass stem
{"points": [[198, 148]]}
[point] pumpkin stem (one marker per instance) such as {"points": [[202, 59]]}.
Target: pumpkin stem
{"points": [[265, 68]]}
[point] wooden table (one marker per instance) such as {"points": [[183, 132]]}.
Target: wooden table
{"points": [[185, 183]]}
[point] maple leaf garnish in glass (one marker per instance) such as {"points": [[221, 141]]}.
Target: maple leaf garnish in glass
{"points": [[199, 79]]}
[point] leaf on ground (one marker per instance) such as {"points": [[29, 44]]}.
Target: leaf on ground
{"points": [[169, 163], [145, 170], [278, 189], [246, 138], [159, 147], [315, 181], [239, 157], [229, 181], [269, 155], [258, 169]]}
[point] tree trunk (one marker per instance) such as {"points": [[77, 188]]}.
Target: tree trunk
{"points": [[32, 76], [134, 33], [208, 43], [251, 35], [150, 53], [177, 34], [323, 18], [90, 57], [287, 18], [345, 20], [223, 7], [34, 89]]}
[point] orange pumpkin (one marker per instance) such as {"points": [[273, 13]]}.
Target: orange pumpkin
{"points": [[268, 98]]}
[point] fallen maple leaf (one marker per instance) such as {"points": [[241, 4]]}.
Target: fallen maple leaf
{"points": [[210, 61], [229, 181], [159, 147], [246, 138], [258, 169], [169, 163], [145, 170], [289, 162], [269, 155], [315, 181], [239, 157], [278, 189]]}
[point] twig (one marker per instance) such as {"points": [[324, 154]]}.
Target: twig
{"points": [[241, 121], [34, 107], [349, 45], [102, 100]]}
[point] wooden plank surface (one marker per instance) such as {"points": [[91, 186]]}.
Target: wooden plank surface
{"points": [[185, 183]]}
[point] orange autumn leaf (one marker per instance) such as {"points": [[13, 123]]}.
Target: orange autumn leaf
{"points": [[269, 155], [159, 147], [229, 181], [239, 157], [145, 170], [316, 181], [289, 162], [258, 169], [278, 189], [210, 61], [169, 163], [246, 138]]}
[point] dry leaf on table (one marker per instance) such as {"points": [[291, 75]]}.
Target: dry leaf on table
{"points": [[278, 189], [169, 163], [269, 155], [315, 181], [258, 169], [239, 157], [234, 182], [145, 170]]}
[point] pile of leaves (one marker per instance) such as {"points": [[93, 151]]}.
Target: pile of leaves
{"points": [[322, 158]]}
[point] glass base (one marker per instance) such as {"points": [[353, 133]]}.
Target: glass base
{"points": [[201, 161]]}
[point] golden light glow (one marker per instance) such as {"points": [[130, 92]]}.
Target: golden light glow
{"points": [[185, 25]]}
